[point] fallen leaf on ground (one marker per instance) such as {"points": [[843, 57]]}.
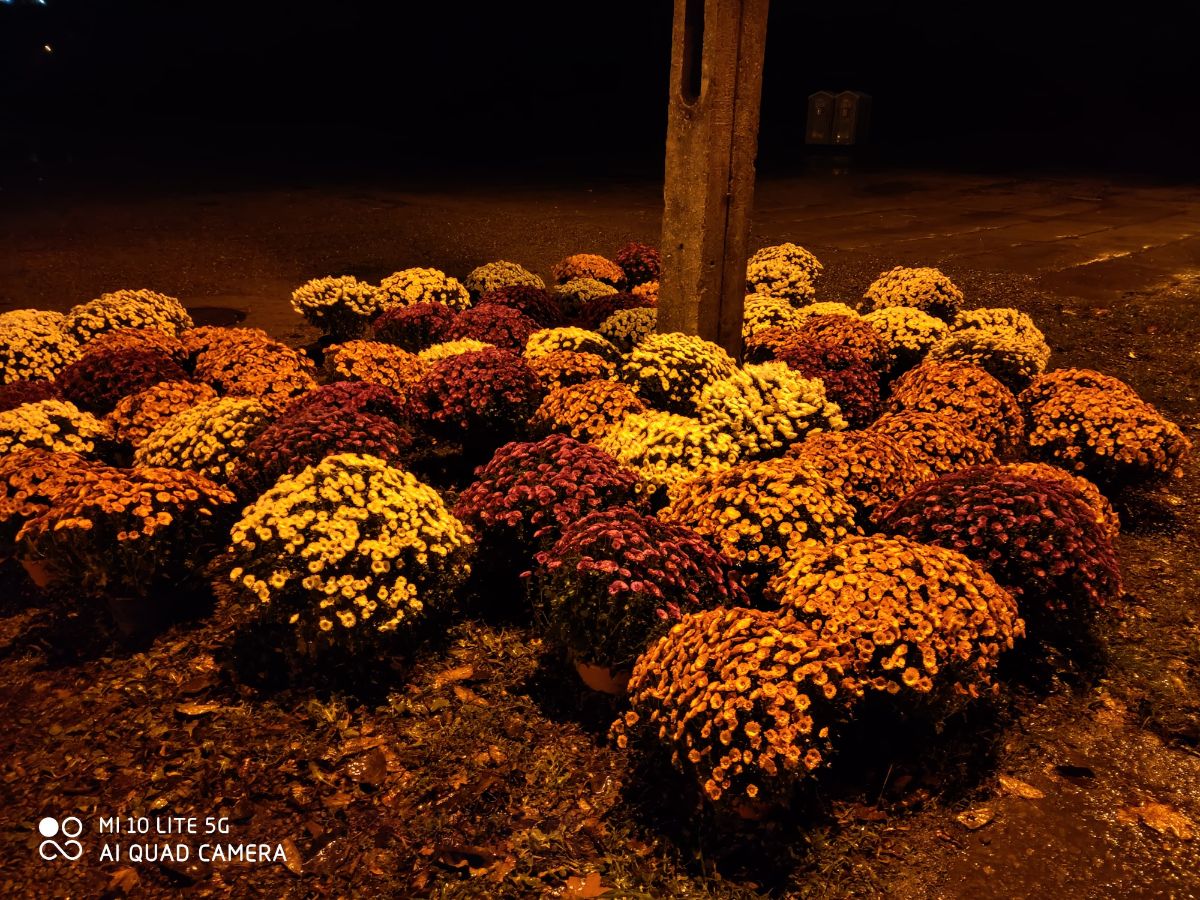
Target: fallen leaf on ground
{"points": [[585, 888], [1162, 818], [975, 818], [466, 695], [501, 869], [123, 881], [458, 673], [1019, 788], [197, 709], [859, 812], [291, 857], [368, 768]]}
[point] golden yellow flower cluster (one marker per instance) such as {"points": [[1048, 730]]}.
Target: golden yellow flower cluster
{"points": [[1098, 426], [566, 367], [376, 362], [762, 311], [761, 513], [34, 343], [339, 305], [648, 291], [54, 425], [127, 309], [446, 349], [626, 327], [825, 308], [349, 549], [588, 265], [127, 532], [207, 438], [580, 290], [779, 277], [909, 333], [668, 449], [744, 699], [937, 444], [909, 616], [30, 482], [669, 369], [579, 340], [923, 288], [964, 392], [137, 415], [1004, 341], [586, 411], [868, 467], [792, 254], [409, 286], [1106, 516], [767, 407], [267, 371], [501, 273]]}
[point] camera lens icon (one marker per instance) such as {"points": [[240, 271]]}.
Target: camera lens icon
{"points": [[71, 827]]}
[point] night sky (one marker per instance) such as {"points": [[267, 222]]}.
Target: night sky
{"points": [[525, 85]]}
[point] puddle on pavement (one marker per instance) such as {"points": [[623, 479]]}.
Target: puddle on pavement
{"points": [[218, 316]]}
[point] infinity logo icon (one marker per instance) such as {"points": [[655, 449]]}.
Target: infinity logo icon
{"points": [[69, 849]]}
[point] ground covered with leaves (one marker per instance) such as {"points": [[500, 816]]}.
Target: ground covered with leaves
{"points": [[482, 767]]}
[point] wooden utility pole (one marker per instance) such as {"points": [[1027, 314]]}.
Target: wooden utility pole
{"points": [[712, 139]]}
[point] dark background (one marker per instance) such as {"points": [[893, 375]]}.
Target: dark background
{"points": [[503, 87]]}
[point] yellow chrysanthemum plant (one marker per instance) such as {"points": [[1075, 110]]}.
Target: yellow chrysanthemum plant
{"points": [[545, 341], [909, 333], [626, 327], [341, 306], [137, 416], [668, 449], [668, 369], [790, 253], [207, 438], [34, 344], [54, 425], [776, 278], [923, 288], [409, 286], [825, 308], [768, 407], [762, 311], [579, 291], [437, 352], [925, 625], [499, 274], [127, 309], [744, 702], [1004, 341], [353, 554], [762, 513]]}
